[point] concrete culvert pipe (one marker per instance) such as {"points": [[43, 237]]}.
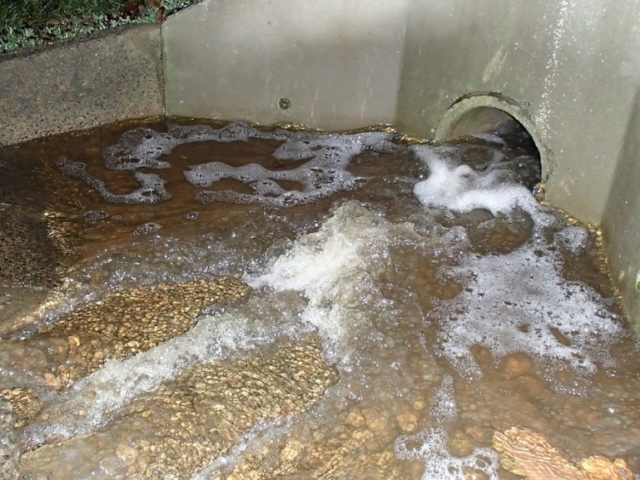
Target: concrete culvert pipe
{"points": [[483, 112]]}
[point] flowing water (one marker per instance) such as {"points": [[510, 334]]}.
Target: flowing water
{"points": [[199, 301]]}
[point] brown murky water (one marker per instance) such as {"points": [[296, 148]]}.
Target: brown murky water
{"points": [[185, 313]]}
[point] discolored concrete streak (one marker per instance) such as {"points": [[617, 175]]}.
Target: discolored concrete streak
{"points": [[184, 424]]}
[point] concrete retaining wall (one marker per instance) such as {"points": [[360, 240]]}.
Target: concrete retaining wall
{"points": [[331, 64], [621, 221], [84, 84]]}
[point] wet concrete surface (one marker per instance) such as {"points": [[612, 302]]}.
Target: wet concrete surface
{"points": [[35, 241], [158, 353], [188, 422]]}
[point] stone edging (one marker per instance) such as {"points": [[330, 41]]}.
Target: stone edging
{"points": [[82, 84]]}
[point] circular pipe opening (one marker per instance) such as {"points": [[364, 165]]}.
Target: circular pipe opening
{"points": [[489, 113]]}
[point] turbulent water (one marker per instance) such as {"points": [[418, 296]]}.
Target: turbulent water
{"points": [[447, 301]]}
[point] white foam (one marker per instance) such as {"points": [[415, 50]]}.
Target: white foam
{"points": [[439, 463], [443, 406], [142, 147], [336, 269], [461, 189], [151, 188], [511, 303], [147, 228], [489, 137], [516, 302], [92, 216], [320, 264], [138, 148], [574, 238], [303, 146], [323, 174]]}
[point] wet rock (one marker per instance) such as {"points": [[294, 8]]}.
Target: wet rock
{"points": [[460, 445], [119, 325], [501, 235], [25, 402], [21, 366], [407, 421], [349, 447], [376, 421], [356, 419], [516, 365], [527, 453], [29, 256], [37, 240]]}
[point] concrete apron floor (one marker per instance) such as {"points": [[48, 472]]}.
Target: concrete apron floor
{"points": [[383, 405]]}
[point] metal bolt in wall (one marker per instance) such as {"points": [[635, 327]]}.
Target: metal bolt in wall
{"points": [[284, 103]]}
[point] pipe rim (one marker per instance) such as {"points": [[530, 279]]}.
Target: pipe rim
{"points": [[472, 101]]}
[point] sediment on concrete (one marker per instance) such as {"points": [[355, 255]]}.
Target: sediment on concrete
{"points": [[83, 84]]}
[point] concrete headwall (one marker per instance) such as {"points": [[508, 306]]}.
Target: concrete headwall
{"points": [[331, 64], [572, 65], [572, 70], [84, 84]]}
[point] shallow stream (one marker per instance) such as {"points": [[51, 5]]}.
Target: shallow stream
{"points": [[196, 301]]}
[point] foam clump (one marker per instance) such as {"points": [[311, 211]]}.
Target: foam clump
{"points": [[519, 302], [443, 407], [320, 264], [302, 146], [574, 238], [489, 137], [92, 216], [516, 302], [147, 228], [439, 463], [151, 185], [459, 188], [323, 174], [142, 147], [138, 148]]}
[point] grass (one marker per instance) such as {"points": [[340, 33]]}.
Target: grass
{"points": [[31, 23]]}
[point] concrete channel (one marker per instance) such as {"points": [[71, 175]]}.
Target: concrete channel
{"points": [[567, 71]]}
